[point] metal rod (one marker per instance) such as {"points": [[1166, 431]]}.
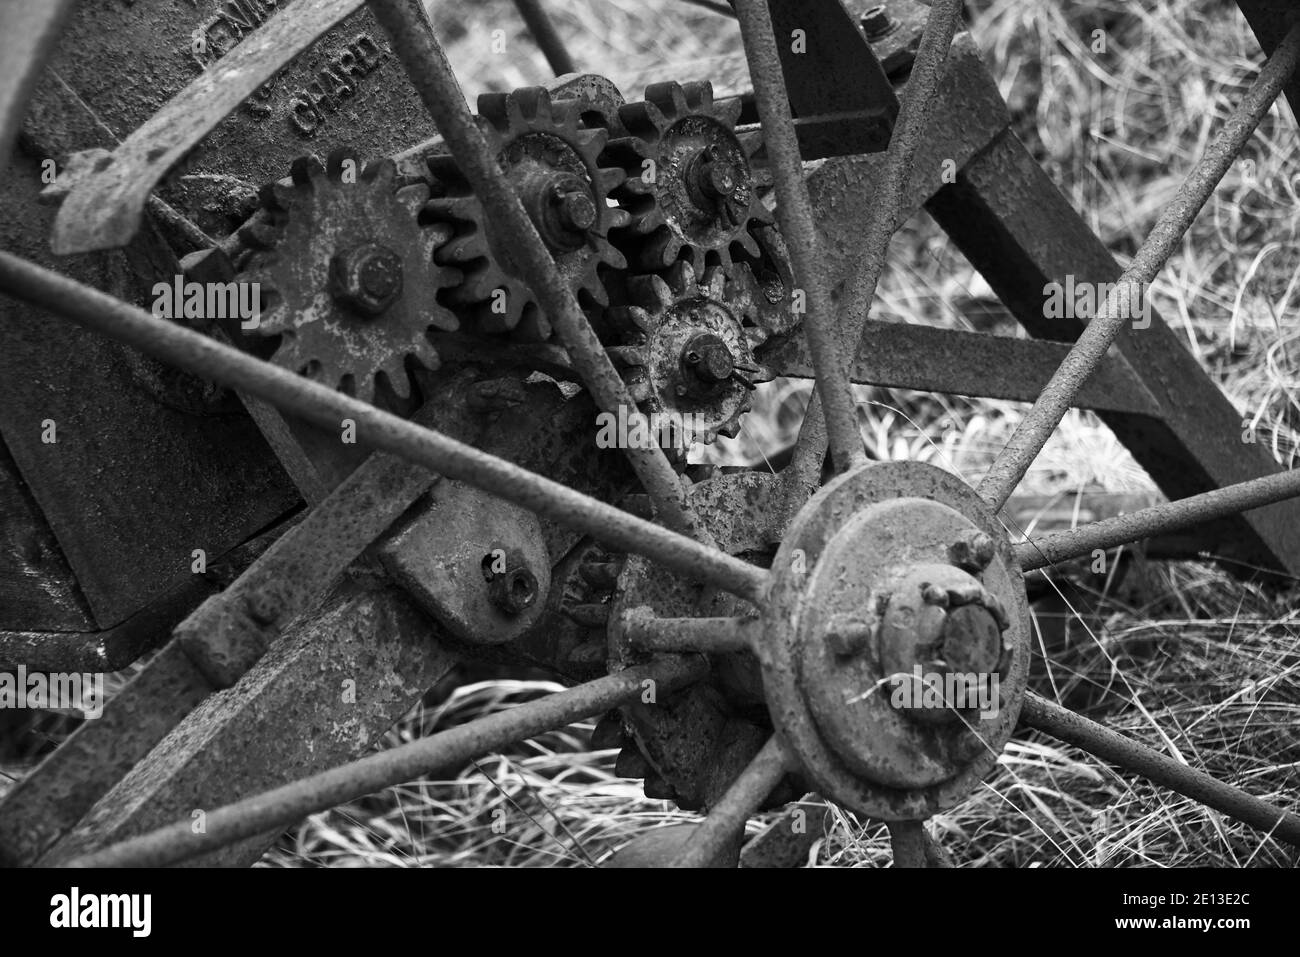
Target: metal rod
{"points": [[908, 840], [705, 635], [327, 408], [1117, 749], [431, 74], [548, 39], [1157, 520], [283, 806], [726, 820], [1124, 301], [794, 213], [883, 220]]}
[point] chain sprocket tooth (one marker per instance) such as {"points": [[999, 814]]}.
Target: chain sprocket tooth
{"points": [[327, 261], [701, 200]]}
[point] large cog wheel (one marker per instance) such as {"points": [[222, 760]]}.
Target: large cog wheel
{"points": [[553, 163], [686, 348], [690, 184], [348, 277]]}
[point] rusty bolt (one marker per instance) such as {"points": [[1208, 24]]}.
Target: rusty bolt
{"points": [[847, 637], [708, 359], [513, 590], [366, 278], [574, 207], [973, 551], [877, 23]]}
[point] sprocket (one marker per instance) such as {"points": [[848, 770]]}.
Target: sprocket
{"points": [[348, 276], [690, 185], [553, 163], [685, 347]]}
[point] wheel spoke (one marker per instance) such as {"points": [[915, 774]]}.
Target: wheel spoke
{"points": [[1157, 520], [1111, 746], [1125, 298], [283, 806], [547, 37], [327, 408], [705, 635], [914, 848], [794, 213], [726, 820], [431, 74], [883, 220]]}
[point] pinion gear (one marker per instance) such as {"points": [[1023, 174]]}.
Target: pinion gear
{"points": [[553, 164], [690, 185], [348, 276], [686, 347]]}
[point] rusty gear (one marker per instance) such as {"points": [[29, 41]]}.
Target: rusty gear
{"points": [[553, 164], [348, 276], [690, 185], [686, 347]]}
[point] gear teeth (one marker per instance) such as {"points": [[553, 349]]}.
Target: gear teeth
{"points": [[669, 98], [715, 283], [306, 170], [631, 763], [652, 294], [609, 733], [658, 789]]}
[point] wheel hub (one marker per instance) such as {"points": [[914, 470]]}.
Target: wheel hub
{"points": [[894, 674]]}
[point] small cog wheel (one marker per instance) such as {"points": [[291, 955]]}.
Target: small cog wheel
{"points": [[690, 185], [348, 276], [686, 348], [553, 163]]}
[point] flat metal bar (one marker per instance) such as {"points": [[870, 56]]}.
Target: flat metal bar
{"points": [[103, 210], [930, 359], [705, 635], [446, 751], [375, 428], [1117, 749], [1157, 520], [1014, 225], [725, 823], [794, 213], [1124, 302], [548, 39], [885, 215], [431, 74], [29, 31]]}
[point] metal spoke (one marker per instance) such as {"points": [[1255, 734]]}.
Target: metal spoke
{"points": [[327, 408], [726, 820], [548, 38], [794, 213], [705, 635], [446, 751], [1125, 298], [914, 848], [883, 220], [1111, 746], [1157, 520], [431, 74]]}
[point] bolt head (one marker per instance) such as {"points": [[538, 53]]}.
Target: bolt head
{"points": [[513, 590], [366, 278], [848, 637], [708, 360], [973, 552], [877, 23], [576, 210]]}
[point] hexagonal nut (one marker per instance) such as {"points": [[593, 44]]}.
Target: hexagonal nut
{"points": [[513, 590], [366, 278]]}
